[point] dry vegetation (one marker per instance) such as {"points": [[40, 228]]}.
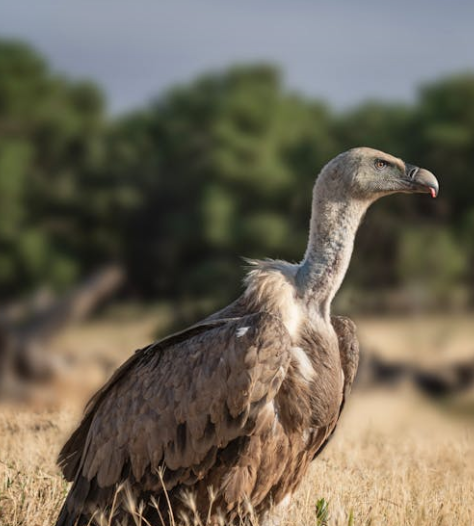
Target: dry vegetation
{"points": [[396, 459]]}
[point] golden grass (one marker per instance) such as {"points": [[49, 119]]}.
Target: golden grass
{"points": [[396, 458]]}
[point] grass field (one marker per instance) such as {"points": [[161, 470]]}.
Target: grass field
{"points": [[396, 459]]}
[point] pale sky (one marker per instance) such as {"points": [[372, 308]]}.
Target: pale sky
{"points": [[343, 51]]}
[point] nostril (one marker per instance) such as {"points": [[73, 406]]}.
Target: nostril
{"points": [[412, 172]]}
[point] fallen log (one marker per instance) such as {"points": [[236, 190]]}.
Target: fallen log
{"points": [[24, 342]]}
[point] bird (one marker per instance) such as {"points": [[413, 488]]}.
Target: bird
{"points": [[221, 420]]}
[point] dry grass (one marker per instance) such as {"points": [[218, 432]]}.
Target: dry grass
{"points": [[396, 459]]}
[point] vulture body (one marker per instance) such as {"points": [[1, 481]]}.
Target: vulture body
{"points": [[233, 409]]}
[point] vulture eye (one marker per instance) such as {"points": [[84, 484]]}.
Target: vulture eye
{"points": [[380, 164]]}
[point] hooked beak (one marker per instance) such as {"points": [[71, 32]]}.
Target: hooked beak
{"points": [[422, 181]]}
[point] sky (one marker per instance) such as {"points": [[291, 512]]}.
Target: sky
{"points": [[341, 51]]}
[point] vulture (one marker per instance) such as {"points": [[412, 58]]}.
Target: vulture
{"points": [[221, 420]]}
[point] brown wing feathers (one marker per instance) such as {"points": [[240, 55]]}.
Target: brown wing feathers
{"points": [[71, 453], [345, 330], [348, 347], [177, 403]]}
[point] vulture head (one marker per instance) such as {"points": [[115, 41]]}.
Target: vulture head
{"points": [[370, 174]]}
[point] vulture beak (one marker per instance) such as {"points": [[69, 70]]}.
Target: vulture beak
{"points": [[421, 180]]}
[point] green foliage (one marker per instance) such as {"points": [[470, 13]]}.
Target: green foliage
{"points": [[51, 147], [15, 157], [220, 181], [431, 262], [444, 136], [214, 170], [322, 512]]}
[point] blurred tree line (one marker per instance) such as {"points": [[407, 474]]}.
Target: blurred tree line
{"points": [[218, 169]]}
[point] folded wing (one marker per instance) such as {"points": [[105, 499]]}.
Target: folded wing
{"points": [[176, 404]]}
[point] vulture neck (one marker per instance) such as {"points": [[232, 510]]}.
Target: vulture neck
{"points": [[333, 227]]}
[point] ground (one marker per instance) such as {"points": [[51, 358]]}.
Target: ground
{"points": [[397, 458]]}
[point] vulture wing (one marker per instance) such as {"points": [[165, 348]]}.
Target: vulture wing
{"points": [[349, 350], [176, 404]]}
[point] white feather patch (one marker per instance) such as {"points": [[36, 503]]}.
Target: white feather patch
{"points": [[291, 314], [242, 331], [285, 502], [305, 367]]}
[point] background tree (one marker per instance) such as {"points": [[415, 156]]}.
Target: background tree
{"points": [[214, 170]]}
